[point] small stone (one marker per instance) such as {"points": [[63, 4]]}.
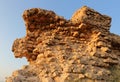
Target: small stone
{"points": [[82, 26], [104, 49], [47, 79], [100, 44], [81, 76], [75, 34], [62, 22], [40, 56], [82, 35]]}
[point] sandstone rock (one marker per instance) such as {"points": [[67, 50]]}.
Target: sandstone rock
{"points": [[92, 17], [58, 50]]}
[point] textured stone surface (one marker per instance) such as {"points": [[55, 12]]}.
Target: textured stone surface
{"points": [[81, 49], [89, 16]]}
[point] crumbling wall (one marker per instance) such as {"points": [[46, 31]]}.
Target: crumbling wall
{"points": [[81, 49]]}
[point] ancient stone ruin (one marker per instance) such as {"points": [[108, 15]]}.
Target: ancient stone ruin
{"points": [[81, 49]]}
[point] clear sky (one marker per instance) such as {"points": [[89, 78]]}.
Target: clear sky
{"points": [[12, 25]]}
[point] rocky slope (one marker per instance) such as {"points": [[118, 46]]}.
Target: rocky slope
{"points": [[81, 49]]}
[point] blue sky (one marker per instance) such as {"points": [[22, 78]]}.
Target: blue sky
{"points": [[12, 25]]}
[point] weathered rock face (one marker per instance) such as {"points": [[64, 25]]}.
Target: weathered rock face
{"points": [[81, 49]]}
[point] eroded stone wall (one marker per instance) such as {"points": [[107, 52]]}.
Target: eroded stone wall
{"points": [[81, 49]]}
